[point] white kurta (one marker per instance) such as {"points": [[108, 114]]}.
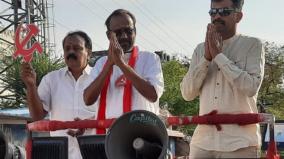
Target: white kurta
{"points": [[62, 97], [228, 84], [148, 66]]}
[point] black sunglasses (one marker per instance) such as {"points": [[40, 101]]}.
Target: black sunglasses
{"points": [[221, 11], [128, 31]]}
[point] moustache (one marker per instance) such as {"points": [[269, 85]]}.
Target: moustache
{"points": [[71, 55], [219, 21], [123, 41]]}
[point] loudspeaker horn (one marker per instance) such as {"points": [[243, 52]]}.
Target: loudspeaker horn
{"points": [[138, 134]]}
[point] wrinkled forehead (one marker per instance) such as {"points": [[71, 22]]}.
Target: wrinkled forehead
{"points": [[74, 40], [222, 4], [121, 21]]}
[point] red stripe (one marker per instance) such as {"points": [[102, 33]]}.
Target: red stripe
{"points": [[127, 93]]}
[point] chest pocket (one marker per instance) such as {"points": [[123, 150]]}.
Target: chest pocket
{"points": [[239, 60], [238, 57], [241, 63]]}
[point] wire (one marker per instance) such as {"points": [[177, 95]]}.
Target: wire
{"points": [[157, 36], [164, 24], [159, 26], [90, 9], [142, 37], [68, 29]]}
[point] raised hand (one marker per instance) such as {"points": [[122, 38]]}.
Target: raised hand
{"points": [[110, 49], [207, 54], [215, 41], [28, 74], [116, 50]]}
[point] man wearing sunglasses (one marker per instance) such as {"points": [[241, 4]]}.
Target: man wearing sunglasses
{"points": [[226, 72], [127, 79]]}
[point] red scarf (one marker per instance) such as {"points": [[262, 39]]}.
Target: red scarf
{"points": [[127, 93]]}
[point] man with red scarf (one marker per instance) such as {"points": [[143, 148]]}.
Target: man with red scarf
{"points": [[127, 79]]}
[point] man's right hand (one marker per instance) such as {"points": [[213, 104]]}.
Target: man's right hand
{"points": [[215, 41], [207, 54], [110, 59], [28, 74], [116, 50]]}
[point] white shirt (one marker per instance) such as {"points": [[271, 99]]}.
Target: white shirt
{"points": [[228, 84], [148, 66], [62, 97]]}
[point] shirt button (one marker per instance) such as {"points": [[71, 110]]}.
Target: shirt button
{"points": [[216, 97], [218, 69], [218, 84]]}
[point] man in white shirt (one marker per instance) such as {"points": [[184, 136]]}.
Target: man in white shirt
{"points": [[127, 79], [60, 92], [226, 72]]}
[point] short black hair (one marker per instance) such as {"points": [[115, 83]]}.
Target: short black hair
{"points": [[88, 41], [117, 13], [237, 4]]}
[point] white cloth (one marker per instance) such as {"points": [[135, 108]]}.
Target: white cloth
{"points": [[148, 66], [62, 97], [228, 84]]}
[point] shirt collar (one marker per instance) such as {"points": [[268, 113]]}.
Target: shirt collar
{"points": [[87, 70], [230, 40]]}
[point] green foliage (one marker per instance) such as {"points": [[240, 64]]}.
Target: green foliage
{"points": [[12, 92], [271, 93], [44, 64], [172, 99], [173, 74]]}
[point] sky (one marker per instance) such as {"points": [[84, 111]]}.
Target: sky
{"points": [[174, 26]]}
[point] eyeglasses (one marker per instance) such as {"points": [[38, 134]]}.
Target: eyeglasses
{"points": [[221, 11], [128, 31]]}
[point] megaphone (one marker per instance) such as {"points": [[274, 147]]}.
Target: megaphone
{"points": [[8, 150], [138, 134]]}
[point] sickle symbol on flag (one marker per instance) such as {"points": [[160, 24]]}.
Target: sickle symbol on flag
{"points": [[120, 81], [20, 45]]}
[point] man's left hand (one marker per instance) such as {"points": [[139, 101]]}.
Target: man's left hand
{"points": [[215, 41], [117, 52], [75, 133]]}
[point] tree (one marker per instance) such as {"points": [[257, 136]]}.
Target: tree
{"points": [[172, 99], [272, 92], [12, 90]]}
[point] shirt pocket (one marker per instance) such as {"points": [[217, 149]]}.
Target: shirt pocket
{"points": [[241, 63]]}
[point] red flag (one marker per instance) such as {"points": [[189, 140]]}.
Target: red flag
{"points": [[26, 53], [272, 151]]}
